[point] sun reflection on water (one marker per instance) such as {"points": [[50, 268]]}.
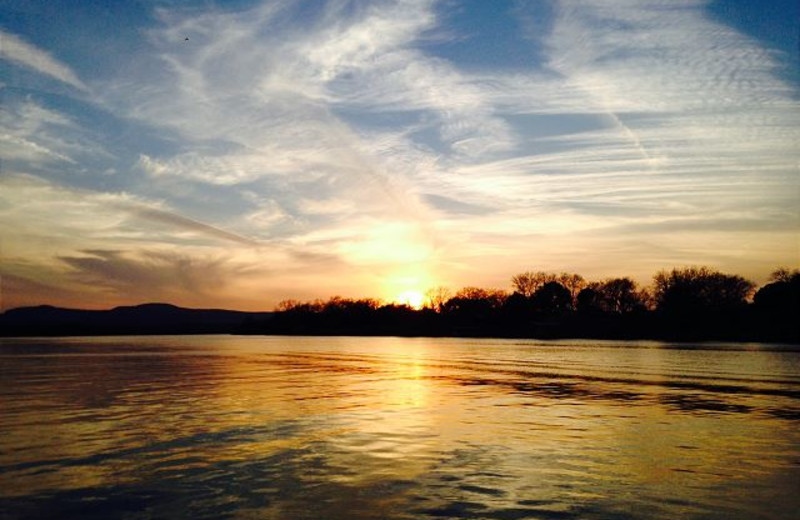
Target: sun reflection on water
{"points": [[345, 427]]}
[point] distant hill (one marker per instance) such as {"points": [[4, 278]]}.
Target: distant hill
{"points": [[149, 318]]}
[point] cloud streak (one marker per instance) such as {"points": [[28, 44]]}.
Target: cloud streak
{"points": [[17, 50], [178, 221]]}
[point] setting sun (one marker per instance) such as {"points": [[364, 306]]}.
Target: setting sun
{"points": [[413, 299]]}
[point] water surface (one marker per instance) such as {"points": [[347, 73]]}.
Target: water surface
{"points": [[296, 428]]}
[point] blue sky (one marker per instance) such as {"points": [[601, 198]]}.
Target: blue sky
{"points": [[294, 149]]}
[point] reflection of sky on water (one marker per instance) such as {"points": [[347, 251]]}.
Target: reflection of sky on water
{"points": [[213, 427]]}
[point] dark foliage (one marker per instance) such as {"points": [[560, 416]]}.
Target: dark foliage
{"points": [[777, 306], [552, 300], [686, 304], [700, 303]]}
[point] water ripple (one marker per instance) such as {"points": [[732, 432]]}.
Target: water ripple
{"points": [[295, 428]]}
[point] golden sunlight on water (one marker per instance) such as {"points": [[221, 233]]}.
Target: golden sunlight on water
{"points": [[267, 427]]}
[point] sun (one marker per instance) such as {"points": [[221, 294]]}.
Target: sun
{"points": [[413, 299]]}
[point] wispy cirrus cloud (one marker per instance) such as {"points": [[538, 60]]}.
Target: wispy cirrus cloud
{"points": [[680, 102], [677, 84], [34, 135]]}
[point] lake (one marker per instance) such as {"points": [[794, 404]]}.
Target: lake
{"points": [[397, 428]]}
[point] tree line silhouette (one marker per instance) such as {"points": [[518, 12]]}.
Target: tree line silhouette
{"points": [[694, 303]]}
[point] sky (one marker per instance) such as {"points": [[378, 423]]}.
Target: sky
{"points": [[233, 154]]}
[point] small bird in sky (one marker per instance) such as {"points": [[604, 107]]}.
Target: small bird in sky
{"points": [[186, 39]]}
